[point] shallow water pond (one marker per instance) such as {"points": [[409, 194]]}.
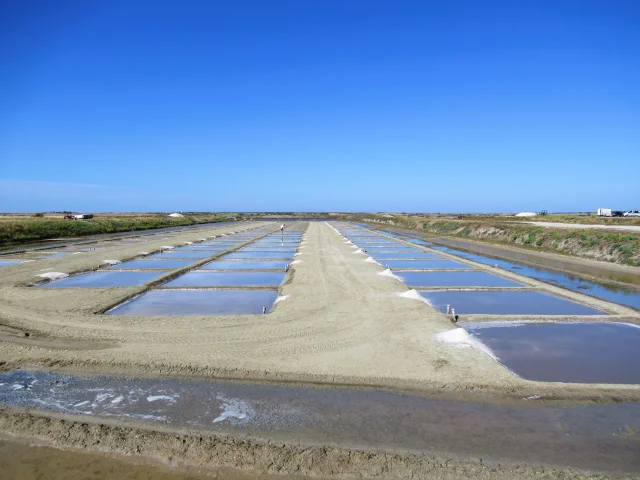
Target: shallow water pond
{"points": [[565, 352], [204, 278], [246, 265], [153, 264], [197, 302], [506, 303], [105, 279], [455, 279]]}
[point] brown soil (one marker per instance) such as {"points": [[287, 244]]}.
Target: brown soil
{"points": [[225, 456]]}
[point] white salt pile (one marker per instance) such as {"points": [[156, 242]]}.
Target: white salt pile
{"points": [[53, 275]]}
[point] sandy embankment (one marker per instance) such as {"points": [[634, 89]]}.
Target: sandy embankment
{"points": [[342, 323]]}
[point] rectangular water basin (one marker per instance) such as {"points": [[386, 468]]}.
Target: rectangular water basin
{"points": [[6, 263], [198, 302], [204, 278], [565, 352], [246, 265], [423, 264], [185, 254], [199, 248], [154, 264], [275, 242], [383, 248], [506, 303], [268, 250], [105, 279], [245, 254], [399, 255], [455, 279]]}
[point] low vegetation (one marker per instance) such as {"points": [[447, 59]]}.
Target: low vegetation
{"points": [[22, 228], [612, 246]]}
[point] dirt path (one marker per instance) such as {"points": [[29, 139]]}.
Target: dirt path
{"points": [[629, 228]]}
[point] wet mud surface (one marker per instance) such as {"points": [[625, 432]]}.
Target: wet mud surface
{"points": [[603, 436]]}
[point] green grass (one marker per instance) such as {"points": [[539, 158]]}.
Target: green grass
{"points": [[23, 230]]}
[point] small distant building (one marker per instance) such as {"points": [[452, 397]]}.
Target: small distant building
{"points": [[84, 216], [526, 214], [176, 215]]}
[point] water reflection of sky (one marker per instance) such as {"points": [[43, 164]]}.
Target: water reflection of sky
{"points": [[566, 352]]}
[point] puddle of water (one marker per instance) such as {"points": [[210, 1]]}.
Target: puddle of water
{"points": [[53, 255], [399, 255], [245, 265], [197, 302], [105, 279], [155, 264], [587, 436], [506, 303], [455, 279], [6, 263], [423, 264], [566, 352], [227, 279], [185, 254], [245, 254]]}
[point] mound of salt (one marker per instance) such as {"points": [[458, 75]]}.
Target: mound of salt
{"points": [[458, 337], [111, 262], [53, 275], [389, 273], [281, 298], [414, 295]]}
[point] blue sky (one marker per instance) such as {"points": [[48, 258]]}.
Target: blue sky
{"points": [[427, 106]]}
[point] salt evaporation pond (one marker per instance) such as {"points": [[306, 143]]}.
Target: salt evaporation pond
{"points": [[227, 279], [198, 302], [612, 293], [565, 352], [505, 303], [105, 279], [455, 279], [153, 264], [246, 265]]}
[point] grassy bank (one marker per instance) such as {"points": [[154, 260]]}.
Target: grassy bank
{"points": [[610, 246], [23, 228]]}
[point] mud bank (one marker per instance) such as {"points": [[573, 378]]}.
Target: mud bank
{"points": [[207, 452]]}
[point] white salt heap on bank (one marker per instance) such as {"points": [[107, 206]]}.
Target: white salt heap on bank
{"points": [[414, 295], [53, 275], [459, 337], [389, 273]]}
